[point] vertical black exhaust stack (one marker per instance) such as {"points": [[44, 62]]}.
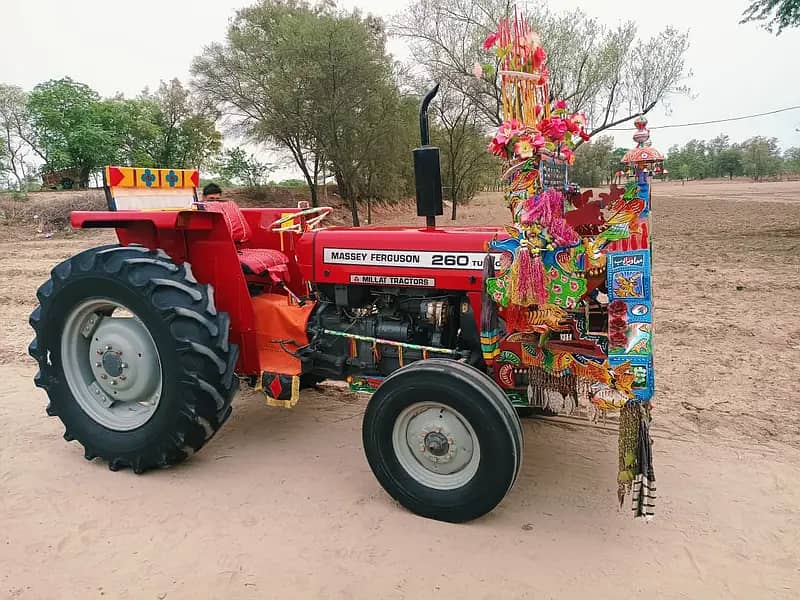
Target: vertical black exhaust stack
{"points": [[427, 170]]}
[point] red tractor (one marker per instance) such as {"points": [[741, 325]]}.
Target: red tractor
{"points": [[141, 345]]}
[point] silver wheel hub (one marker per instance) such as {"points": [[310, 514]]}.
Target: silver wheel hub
{"points": [[111, 364], [436, 445]]}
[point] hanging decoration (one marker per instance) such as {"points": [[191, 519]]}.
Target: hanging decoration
{"points": [[569, 308]]}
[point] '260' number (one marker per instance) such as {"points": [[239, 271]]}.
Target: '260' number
{"points": [[449, 260]]}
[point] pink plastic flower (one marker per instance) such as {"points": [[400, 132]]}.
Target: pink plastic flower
{"points": [[532, 39], [507, 130], [524, 148], [538, 141], [561, 105], [497, 148], [477, 70], [553, 129], [490, 41]]}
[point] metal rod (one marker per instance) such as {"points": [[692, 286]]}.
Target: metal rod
{"points": [[366, 338]]}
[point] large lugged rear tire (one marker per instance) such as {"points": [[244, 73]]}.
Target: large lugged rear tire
{"points": [[443, 440], [134, 356]]}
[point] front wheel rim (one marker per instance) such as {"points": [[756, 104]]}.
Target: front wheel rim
{"points": [[436, 445], [111, 364]]}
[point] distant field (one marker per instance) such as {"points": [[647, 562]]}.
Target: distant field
{"points": [[282, 503]]}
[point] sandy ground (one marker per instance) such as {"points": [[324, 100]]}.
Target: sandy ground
{"points": [[282, 503]]}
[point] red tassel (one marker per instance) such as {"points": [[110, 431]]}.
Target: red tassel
{"points": [[530, 288], [525, 288]]}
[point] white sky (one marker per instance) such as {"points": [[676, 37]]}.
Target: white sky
{"points": [[116, 46]]}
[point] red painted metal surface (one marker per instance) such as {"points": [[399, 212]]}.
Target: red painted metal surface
{"points": [[448, 259], [380, 251]]}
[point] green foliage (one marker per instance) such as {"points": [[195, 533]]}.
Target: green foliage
{"points": [[761, 157], [596, 162], [758, 158], [791, 161], [465, 163], [72, 127], [314, 81], [240, 168], [774, 14]]}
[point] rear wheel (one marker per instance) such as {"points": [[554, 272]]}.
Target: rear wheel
{"points": [[134, 356], [443, 440]]}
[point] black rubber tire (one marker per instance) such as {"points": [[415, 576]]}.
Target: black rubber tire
{"points": [[481, 402], [191, 337]]}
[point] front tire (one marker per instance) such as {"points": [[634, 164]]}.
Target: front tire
{"points": [[443, 440], [134, 356]]}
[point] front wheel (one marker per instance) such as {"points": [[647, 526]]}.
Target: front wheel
{"points": [[443, 440]]}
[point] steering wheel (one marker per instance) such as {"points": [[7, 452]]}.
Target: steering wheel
{"points": [[320, 211]]}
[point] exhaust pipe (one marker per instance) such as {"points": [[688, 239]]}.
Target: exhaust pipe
{"points": [[427, 168]]}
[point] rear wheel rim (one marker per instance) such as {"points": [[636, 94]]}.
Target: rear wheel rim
{"points": [[436, 445], [111, 364]]}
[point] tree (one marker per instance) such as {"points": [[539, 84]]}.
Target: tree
{"points": [[693, 161], [265, 98], [776, 14], [607, 73], [16, 152], [594, 162], [238, 167], [69, 127], [729, 162], [761, 157], [464, 160], [314, 81], [791, 160], [165, 129]]}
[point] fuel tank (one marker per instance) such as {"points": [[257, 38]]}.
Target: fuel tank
{"points": [[447, 258]]}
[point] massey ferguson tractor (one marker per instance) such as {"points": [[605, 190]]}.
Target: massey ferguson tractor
{"points": [[141, 345]]}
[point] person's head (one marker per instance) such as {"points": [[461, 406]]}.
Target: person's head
{"points": [[212, 192]]}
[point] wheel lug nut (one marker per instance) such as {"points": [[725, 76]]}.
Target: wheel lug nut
{"points": [[103, 376], [122, 377], [98, 364], [113, 382], [123, 366], [108, 347]]}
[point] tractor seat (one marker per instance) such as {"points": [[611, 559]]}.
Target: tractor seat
{"points": [[263, 262]]}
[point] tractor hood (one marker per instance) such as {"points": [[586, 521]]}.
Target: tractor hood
{"points": [[443, 258]]}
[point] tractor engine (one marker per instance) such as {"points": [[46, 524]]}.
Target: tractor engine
{"points": [[407, 315]]}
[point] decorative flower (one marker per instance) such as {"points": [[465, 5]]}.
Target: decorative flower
{"points": [[617, 307], [539, 57], [524, 147], [477, 70], [561, 105], [569, 156], [584, 136], [497, 149], [490, 41], [532, 40], [553, 129]]}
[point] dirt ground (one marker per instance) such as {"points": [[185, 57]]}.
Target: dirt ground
{"points": [[282, 504]]}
